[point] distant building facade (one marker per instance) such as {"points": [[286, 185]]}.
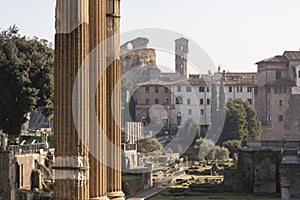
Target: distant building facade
{"points": [[192, 98], [178, 96], [278, 78]]}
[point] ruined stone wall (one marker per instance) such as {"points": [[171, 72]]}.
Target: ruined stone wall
{"points": [[290, 177], [7, 176], [137, 58], [231, 180], [246, 171], [265, 172], [258, 171], [292, 119], [26, 164]]}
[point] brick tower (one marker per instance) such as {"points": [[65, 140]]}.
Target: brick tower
{"points": [[181, 51]]}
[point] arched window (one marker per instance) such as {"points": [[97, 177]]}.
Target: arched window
{"points": [[129, 46]]}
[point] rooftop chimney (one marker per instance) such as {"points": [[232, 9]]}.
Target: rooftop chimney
{"points": [[224, 75]]}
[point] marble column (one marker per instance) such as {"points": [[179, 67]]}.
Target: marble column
{"points": [[97, 75], [71, 49], [114, 182]]}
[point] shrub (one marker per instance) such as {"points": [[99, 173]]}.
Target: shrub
{"points": [[232, 146]]}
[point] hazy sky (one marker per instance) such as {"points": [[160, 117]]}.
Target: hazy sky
{"points": [[234, 33]]}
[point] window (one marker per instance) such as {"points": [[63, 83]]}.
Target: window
{"points": [[166, 101], [181, 66], [269, 120], [178, 118], [280, 89], [201, 89], [249, 89], [146, 89], [237, 89], [278, 74], [147, 101], [190, 111], [178, 88], [280, 118], [179, 100], [230, 89], [284, 89], [202, 111], [207, 89], [166, 90], [207, 101], [181, 57], [280, 102], [250, 101], [188, 89], [201, 101], [156, 101], [156, 89], [241, 89], [299, 74], [269, 90], [188, 101], [276, 89]]}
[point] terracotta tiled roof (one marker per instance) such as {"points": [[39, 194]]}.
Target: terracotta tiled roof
{"points": [[274, 59], [236, 78], [292, 55], [240, 79]]}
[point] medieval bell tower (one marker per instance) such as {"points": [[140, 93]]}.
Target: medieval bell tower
{"points": [[181, 51]]}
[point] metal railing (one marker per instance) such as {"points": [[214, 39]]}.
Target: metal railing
{"points": [[27, 149]]}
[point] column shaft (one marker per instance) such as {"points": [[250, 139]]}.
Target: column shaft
{"points": [[114, 100], [98, 149], [71, 49]]}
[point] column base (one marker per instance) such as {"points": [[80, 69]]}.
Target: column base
{"points": [[116, 195], [99, 198]]}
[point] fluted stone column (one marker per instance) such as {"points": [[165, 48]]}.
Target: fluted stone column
{"points": [[98, 149], [71, 49], [114, 101]]}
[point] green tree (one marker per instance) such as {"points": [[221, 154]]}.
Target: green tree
{"points": [[203, 147], [240, 123], [128, 103], [232, 146], [126, 83], [220, 153], [190, 126], [152, 116], [253, 125], [212, 133], [222, 105], [147, 145], [217, 112], [26, 78]]}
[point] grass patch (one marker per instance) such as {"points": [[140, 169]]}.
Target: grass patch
{"points": [[130, 178], [215, 196]]}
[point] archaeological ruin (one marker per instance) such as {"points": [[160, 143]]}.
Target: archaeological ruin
{"points": [[85, 166]]}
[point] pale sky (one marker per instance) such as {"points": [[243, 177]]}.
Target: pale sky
{"points": [[234, 33]]}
